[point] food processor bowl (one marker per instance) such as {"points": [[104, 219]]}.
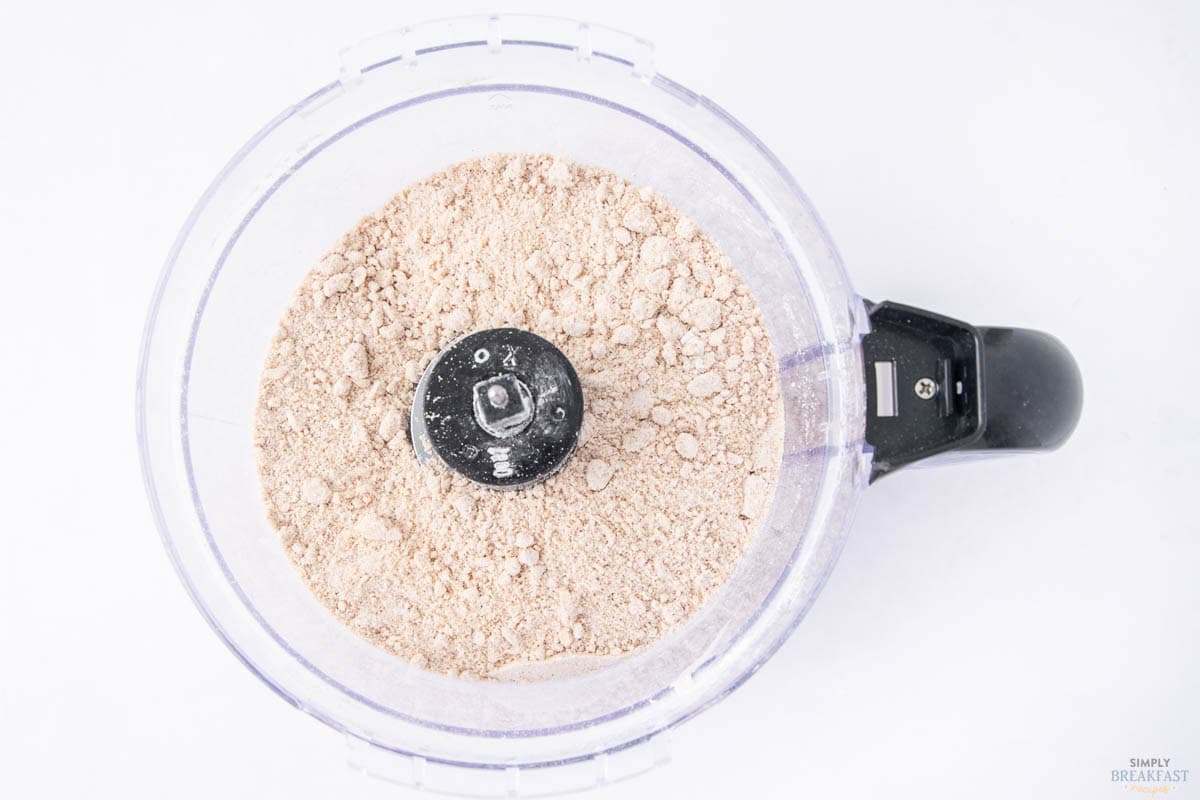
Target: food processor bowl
{"points": [[405, 105]]}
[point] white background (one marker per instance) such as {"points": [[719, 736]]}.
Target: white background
{"points": [[1017, 628]]}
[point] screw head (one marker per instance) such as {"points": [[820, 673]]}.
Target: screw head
{"points": [[495, 409], [497, 395], [925, 388]]}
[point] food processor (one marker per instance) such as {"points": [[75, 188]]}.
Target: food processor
{"points": [[867, 388]]}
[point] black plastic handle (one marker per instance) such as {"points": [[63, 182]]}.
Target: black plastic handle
{"points": [[936, 384]]}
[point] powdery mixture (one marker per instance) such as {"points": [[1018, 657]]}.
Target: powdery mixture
{"points": [[677, 459]]}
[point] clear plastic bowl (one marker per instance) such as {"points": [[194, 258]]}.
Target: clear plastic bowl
{"points": [[405, 105]]}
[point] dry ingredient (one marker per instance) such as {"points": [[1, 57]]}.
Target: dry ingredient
{"points": [[677, 460]]}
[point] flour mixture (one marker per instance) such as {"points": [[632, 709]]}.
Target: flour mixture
{"points": [[676, 460]]}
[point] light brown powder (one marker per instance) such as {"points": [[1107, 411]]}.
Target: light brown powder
{"points": [[677, 459]]}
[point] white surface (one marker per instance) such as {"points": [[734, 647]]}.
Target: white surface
{"points": [[1012, 628]]}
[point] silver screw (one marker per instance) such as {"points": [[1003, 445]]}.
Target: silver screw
{"points": [[497, 396], [926, 388]]}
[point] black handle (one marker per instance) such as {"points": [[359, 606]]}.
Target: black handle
{"points": [[936, 384]]}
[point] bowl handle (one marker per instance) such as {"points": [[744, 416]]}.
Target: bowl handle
{"points": [[936, 384]]}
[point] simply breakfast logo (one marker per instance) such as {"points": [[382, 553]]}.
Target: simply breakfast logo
{"points": [[1150, 776]]}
